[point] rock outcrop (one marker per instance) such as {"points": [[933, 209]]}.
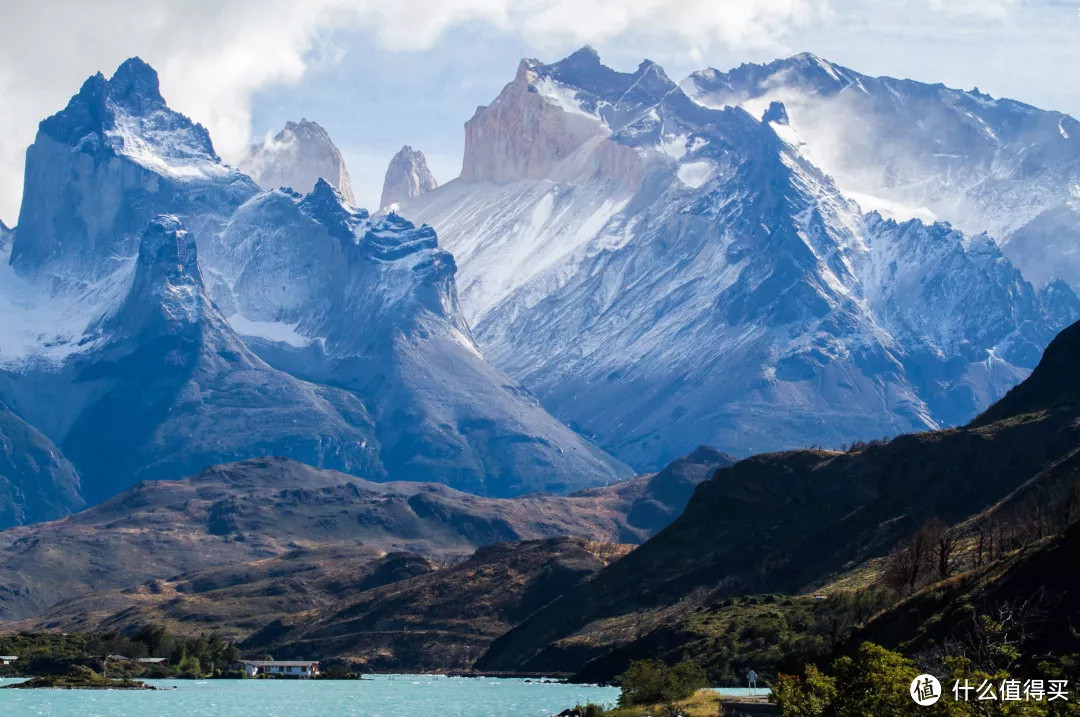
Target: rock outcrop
{"points": [[36, 481], [296, 157], [407, 176]]}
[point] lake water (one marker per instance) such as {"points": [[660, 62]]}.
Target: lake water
{"points": [[379, 696]]}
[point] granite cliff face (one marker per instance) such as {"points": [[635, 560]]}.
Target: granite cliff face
{"points": [[407, 176], [296, 157], [663, 274]]}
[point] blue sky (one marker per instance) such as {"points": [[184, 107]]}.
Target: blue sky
{"points": [[381, 74]]}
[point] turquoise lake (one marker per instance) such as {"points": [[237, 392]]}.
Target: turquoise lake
{"points": [[379, 696]]}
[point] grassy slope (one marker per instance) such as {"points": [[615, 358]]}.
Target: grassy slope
{"points": [[261, 509], [1043, 573], [442, 619]]}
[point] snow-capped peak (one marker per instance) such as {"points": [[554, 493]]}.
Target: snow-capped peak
{"points": [[328, 206], [984, 164], [116, 136], [127, 115]]}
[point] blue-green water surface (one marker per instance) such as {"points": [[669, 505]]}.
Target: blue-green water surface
{"points": [[378, 696]]}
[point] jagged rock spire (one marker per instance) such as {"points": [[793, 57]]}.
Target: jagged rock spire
{"points": [[407, 176], [297, 157]]}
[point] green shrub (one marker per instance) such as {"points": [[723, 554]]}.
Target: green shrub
{"points": [[648, 682]]}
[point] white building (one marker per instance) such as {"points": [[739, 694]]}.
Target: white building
{"points": [[8, 659], [294, 668]]}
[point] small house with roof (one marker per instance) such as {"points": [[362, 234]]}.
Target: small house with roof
{"points": [[284, 668]]}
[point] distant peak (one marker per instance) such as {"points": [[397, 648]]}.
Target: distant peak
{"points": [[809, 58], [133, 90], [305, 125], [326, 205], [324, 192], [708, 454], [585, 54], [407, 176], [135, 84], [298, 156], [584, 60]]}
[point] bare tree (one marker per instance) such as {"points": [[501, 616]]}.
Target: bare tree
{"points": [[997, 636], [907, 565]]}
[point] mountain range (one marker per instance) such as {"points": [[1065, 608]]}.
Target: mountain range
{"points": [[798, 523], [663, 273], [661, 265], [790, 522], [229, 397], [916, 149], [167, 314]]}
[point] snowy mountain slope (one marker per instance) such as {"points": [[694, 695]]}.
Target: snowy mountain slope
{"points": [[984, 164], [36, 482], [662, 274], [441, 411], [407, 176], [969, 323], [297, 157], [169, 388]]}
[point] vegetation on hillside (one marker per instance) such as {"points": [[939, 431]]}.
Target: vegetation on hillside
{"points": [[876, 681], [728, 637], [651, 687]]}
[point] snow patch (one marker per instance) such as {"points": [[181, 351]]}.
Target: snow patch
{"points": [[675, 146], [169, 152], [39, 326], [561, 96], [888, 208], [270, 330], [696, 174]]}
